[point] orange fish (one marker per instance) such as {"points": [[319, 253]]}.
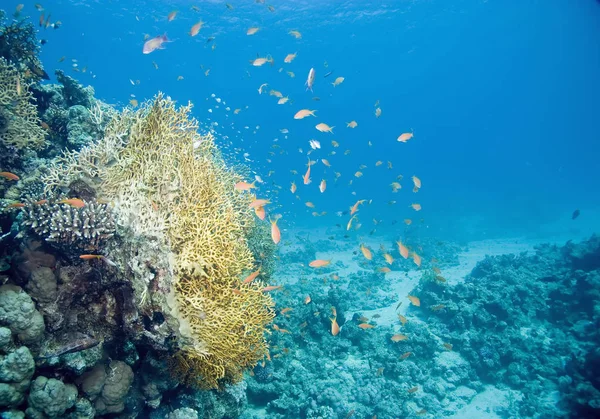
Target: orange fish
{"points": [[307, 299], [285, 310], [309, 204], [414, 300], [303, 113], [405, 137], [306, 176], [100, 257], [323, 127], [354, 207], [416, 207], [365, 326], [413, 390], [335, 329], [407, 221], [417, 182], [402, 319], [252, 276], [74, 202], [271, 288], [260, 212], [319, 263], [41, 202], [16, 205], [405, 355], [275, 233], [366, 252], [388, 258], [402, 249], [384, 270], [323, 186], [259, 203], [196, 28], [244, 186], [448, 346], [172, 15], [399, 337], [416, 259], [293, 187], [9, 176]]}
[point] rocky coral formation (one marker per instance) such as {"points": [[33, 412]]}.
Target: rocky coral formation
{"points": [[16, 369]]}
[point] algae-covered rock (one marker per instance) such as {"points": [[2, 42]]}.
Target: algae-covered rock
{"points": [[18, 313], [50, 398], [16, 369], [183, 413], [108, 387]]}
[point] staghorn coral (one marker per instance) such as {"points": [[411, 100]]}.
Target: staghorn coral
{"points": [[85, 228], [20, 125], [170, 184]]}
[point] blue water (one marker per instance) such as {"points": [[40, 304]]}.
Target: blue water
{"points": [[503, 98]]}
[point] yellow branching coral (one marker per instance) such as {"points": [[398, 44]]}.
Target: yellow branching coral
{"points": [[182, 189], [20, 125]]}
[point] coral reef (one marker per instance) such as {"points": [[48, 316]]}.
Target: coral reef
{"points": [[20, 125], [77, 229]]}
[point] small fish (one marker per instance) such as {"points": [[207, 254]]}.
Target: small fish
{"points": [[319, 263], [251, 277], [405, 355], [575, 213], [260, 213], [289, 58], [416, 259], [310, 79], [399, 337], [414, 300], [328, 74], [324, 127], [275, 232], [154, 43], [283, 100], [338, 81], [351, 124], [72, 347], [303, 113], [405, 137], [377, 112], [196, 28], [229, 6], [259, 203], [261, 87], [271, 288], [285, 310], [99, 257], [402, 319], [438, 307], [416, 182], [335, 329], [252, 31], [448, 346], [74, 202], [322, 186], [384, 270], [366, 252], [9, 176], [413, 390], [293, 187], [307, 299], [416, 207], [244, 186], [133, 103], [295, 34], [365, 326], [262, 61], [16, 205], [172, 15], [310, 204]]}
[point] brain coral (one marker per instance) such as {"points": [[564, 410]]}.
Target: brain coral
{"points": [[183, 194]]}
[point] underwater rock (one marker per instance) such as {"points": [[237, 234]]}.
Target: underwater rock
{"points": [[81, 130], [16, 369], [183, 413], [50, 398], [18, 313], [73, 92], [108, 386]]}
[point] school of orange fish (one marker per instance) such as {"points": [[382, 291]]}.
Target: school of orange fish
{"points": [[259, 204]]}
